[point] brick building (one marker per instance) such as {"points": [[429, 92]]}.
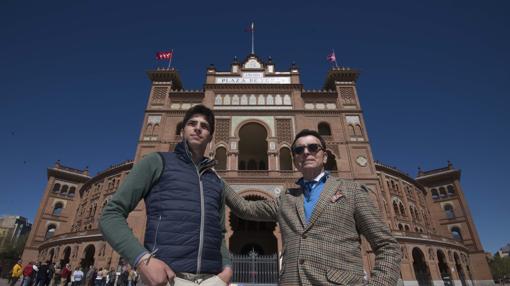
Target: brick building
{"points": [[258, 111]]}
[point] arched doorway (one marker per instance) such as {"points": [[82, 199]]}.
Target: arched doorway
{"points": [[88, 256], [67, 254], [252, 147], [444, 270], [421, 270], [251, 236], [459, 269]]}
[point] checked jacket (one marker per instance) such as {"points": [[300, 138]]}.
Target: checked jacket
{"points": [[327, 250]]}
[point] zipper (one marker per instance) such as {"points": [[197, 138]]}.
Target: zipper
{"points": [[156, 235], [205, 167], [202, 217], [202, 222]]}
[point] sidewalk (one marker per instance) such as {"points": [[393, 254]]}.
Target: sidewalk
{"points": [[3, 282]]}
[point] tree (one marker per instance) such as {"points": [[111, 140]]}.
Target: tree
{"points": [[500, 267]]}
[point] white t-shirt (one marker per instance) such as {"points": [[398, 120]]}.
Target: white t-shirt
{"points": [[77, 275]]}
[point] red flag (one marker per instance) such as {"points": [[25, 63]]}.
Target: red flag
{"points": [[331, 57], [250, 28], [164, 55]]}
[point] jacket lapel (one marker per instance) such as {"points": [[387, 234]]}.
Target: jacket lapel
{"points": [[327, 193], [300, 208]]}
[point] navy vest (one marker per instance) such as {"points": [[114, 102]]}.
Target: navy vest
{"points": [[183, 222]]}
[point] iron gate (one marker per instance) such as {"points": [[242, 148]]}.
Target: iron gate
{"points": [[255, 269]]}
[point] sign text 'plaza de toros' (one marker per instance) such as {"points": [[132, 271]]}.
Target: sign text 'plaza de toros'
{"points": [[258, 112]]}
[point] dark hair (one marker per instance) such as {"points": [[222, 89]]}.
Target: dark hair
{"points": [[307, 132], [202, 110]]}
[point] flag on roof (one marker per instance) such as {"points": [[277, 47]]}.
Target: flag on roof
{"points": [[164, 55], [331, 57]]}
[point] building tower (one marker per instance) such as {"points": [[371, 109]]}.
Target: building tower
{"points": [[56, 211], [450, 210]]}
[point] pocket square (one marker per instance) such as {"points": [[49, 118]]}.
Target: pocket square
{"points": [[336, 196]]}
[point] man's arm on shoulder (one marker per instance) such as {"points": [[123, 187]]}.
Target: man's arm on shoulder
{"points": [[135, 187], [386, 270], [262, 210]]}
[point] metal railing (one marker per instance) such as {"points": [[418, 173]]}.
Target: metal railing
{"points": [[255, 269]]}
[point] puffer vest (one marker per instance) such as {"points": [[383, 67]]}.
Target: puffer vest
{"points": [[183, 214]]}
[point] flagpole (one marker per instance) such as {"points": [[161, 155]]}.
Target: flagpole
{"points": [[252, 38], [171, 57], [336, 65]]}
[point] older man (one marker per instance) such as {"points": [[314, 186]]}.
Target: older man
{"points": [[321, 222]]}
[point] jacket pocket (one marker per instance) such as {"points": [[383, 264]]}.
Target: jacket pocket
{"points": [[342, 277]]}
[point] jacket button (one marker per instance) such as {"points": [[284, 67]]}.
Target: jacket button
{"points": [[304, 236], [301, 261]]}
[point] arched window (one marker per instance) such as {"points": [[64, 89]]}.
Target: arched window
{"points": [[64, 190], [56, 188], [155, 130], [148, 129], [456, 233], [402, 209], [450, 214], [72, 191], [253, 146], [406, 228], [221, 157], [324, 129], [395, 208], [442, 192], [400, 227], [435, 194], [50, 231], [57, 209], [411, 210], [178, 128], [451, 190], [285, 159]]}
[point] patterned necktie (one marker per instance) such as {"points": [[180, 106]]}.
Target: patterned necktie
{"points": [[308, 190]]}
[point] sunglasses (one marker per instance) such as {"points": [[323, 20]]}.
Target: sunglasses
{"points": [[312, 148]]}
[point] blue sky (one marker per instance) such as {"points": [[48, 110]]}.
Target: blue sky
{"points": [[433, 84]]}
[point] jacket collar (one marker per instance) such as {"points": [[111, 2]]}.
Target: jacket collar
{"points": [[183, 152]]}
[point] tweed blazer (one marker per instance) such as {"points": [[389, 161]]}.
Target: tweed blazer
{"points": [[327, 250]]}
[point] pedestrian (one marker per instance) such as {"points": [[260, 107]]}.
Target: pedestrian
{"points": [[65, 274], [111, 277], [57, 276], [42, 274], [77, 276], [16, 272], [28, 273], [98, 277]]}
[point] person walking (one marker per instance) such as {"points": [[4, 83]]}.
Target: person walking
{"points": [[16, 272]]}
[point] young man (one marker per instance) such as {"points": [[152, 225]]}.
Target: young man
{"points": [[185, 212], [321, 222]]}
